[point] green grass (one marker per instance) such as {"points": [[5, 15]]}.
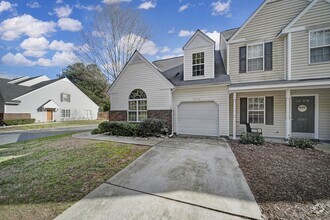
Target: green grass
{"points": [[50, 125], [39, 179]]}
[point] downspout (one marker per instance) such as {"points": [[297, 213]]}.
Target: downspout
{"points": [[172, 134]]}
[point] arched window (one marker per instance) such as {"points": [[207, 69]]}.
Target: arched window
{"points": [[137, 105]]}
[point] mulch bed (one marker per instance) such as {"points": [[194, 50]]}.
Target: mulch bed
{"points": [[288, 183]]}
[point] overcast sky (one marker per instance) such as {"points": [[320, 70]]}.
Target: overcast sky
{"points": [[37, 37]]}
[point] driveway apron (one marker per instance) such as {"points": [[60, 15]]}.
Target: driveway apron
{"points": [[179, 178]]}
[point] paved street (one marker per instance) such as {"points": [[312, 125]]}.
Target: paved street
{"points": [[16, 136]]}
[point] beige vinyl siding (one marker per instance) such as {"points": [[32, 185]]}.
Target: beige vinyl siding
{"points": [[272, 19], [278, 64], [324, 110], [208, 62], [317, 15], [300, 67], [276, 130], [223, 51], [140, 75], [218, 94]]}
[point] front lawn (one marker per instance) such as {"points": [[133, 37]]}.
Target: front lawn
{"points": [[41, 178], [288, 183], [50, 125]]}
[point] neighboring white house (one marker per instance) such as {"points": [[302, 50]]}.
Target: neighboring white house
{"points": [[44, 99], [273, 72]]}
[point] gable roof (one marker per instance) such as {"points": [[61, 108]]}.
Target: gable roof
{"points": [[131, 59], [172, 69], [198, 33], [248, 20], [10, 91], [227, 34], [306, 9]]}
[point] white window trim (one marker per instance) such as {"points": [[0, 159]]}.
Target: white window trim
{"points": [[137, 109], [248, 118], [309, 45], [192, 67], [247, 57]]}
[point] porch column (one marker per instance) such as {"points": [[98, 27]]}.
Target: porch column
{"points": [[287, 114], [234, 115]]}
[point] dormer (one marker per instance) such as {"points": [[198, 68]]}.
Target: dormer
{"points": [[199, 57]]}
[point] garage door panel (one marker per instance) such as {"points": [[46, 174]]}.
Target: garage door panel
{"points": [[198, 118]]}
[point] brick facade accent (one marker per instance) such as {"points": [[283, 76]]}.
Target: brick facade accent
{"points": [[118, 116], [9, 116], [103, 115], [165, 115]]}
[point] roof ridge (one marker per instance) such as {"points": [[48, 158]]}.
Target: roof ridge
{"points": [[167, 58]]}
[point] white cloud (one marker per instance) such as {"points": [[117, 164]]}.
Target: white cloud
{"points": [[59, 1], [61, 46], [171, 31], [184, 7], [165, 49], [88, 7], [9, 75], [13, 28], [214, 36], [33, 4], [59, 59], [63, 11], [17, 60], [6, 6], [147, 5], [114, 1], [34, 47], [221, 8], [69, 24], [186, 33], [177, 50], [149, 48]]}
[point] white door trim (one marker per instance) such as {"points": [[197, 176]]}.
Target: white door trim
{"points": [[316, 112]]}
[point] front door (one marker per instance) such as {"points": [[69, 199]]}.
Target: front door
{"points": [[49, 115], [303, 114]]}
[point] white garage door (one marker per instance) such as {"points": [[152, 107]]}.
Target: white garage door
{"points": [[198, 118]]}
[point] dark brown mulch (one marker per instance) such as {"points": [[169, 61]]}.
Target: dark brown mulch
{"points": [[288, 183]]}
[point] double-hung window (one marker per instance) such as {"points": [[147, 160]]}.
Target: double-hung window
{"points": [[319, 42], [137, 106], [256, 110], [198, 64], [65, 97], [255, 57], [65, 113]]}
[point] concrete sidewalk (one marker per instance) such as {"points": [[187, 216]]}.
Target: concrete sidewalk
{"points": [[149, 141], [179, 178]]}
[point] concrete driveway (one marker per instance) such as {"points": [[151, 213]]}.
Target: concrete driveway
{"points": [[179, 178]]}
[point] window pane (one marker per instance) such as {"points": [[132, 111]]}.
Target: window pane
{"points": [[327, 37], [143, 105], [132, 105], [132, 116], [62, 113], [256, 117], [313, 39], [142, 116]]}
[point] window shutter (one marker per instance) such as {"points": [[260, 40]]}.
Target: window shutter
{"points": [[269, 56], [243, 110], [242, 59], [62, 97], [69, 97], [269, 110]]}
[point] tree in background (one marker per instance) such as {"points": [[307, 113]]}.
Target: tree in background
{"points": [[91, 81], [112, 37]]}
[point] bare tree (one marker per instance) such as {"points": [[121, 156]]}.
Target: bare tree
{"points": [[112, 37]]}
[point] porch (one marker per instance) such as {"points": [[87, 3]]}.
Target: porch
{"points": [[282, 110]]}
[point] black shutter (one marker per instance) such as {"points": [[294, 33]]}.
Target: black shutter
{"points": [[243, 111], [269, 110], [242, 59], [269, 56]]}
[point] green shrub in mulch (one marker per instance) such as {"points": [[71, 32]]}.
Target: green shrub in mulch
{"points": [[148, 127], [301, 143], [19, 121], [251, 138]]}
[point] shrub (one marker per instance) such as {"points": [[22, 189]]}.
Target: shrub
{"points": [[19, 121], [301, 143], [104, 127], [251, 138], [95, 131], [123, 128], [152, 127]]}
